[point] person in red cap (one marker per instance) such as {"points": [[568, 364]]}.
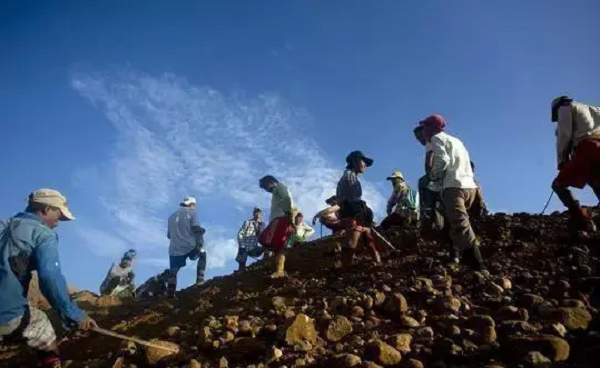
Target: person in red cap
{"points": [[578, 156], [452, 166]]}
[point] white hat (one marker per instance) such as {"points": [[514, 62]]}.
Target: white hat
{"points": [[188, 200]]}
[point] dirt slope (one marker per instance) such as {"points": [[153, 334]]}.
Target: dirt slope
{"points": [[534, 310]]}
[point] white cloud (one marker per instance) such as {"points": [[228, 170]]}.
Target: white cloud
{"points": [[175, 139]]}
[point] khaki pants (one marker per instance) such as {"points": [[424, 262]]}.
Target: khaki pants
{"points": [[457, 202]]}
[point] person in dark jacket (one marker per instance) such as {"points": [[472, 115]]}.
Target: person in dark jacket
{"points": [[27, 243]]}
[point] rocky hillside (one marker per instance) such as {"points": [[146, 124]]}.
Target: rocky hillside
{"points": [[415, 311]]}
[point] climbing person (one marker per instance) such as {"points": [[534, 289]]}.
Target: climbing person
{"points": [[28, 243], [248, 239], [431, 211], [154, 286], [354, 213], [186, 241], [281, 222], [120, 280], [578, 156], [329, 216], [403, 205], [302, 231], [452, 165]]}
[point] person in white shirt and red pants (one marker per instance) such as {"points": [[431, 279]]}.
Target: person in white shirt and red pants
{"points": [[578, 155]]}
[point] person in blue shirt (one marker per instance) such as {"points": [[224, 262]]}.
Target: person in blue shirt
{"points": [[186, 238], [27, 244]]}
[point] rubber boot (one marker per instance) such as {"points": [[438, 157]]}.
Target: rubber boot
{"points": [[581, 220], [279, 266]]}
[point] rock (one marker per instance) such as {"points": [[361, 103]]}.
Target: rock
{"points": [[396, 304], [573, 303], [509, 328], [382, 353], [278, 303], [447, 304], [368, 303], [193, 363], [536, 359], [358, 312], [274, 354], [223, 363], [339, 328], [231, 323], [245, 328], [289, 314], [506, 283], [303, 328], [571, 318], [128, 348], [401, 343], [414, 363], [155, 355], [485, 327], [531, 300], [558, 329], [303, 346], [173, 331], [426, 332], [512, 313], [379, 298], [338, 303], [344, 361], [555, 348], [410, 322], [228, 336]]}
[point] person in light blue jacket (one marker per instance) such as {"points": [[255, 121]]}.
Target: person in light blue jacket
{"points": [[27, 244]]}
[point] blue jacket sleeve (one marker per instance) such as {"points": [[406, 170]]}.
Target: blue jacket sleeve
{"points": [[52, 283]]}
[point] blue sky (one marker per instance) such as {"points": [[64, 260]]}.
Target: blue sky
{"points": [[126, 107]]}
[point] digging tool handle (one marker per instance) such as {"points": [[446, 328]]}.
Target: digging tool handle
{"points": [[382, 238], [134, 339]]}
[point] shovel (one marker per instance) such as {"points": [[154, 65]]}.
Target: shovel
{"points": [[134, 339], [383, 239]]}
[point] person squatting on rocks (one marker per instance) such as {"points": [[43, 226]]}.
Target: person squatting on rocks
{"points": [[248, 239], [186, 241], [27, 243], [281, 222], [403, 205], [578, 156], [356, 216], [432, 213], [120, 280], [452, 165], [302, 231], [154, 286], [329, 217]]}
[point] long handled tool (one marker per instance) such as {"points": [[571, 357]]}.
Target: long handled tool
{"points": [[134, 339], [382, 238]]}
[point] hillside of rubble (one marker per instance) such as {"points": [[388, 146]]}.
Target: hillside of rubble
{"points": [[536, 309]]}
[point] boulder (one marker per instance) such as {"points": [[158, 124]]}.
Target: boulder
{"points": [[344, 361], [555, 348], [303, 328], [156, 355], [339, 328], [382, 353]]}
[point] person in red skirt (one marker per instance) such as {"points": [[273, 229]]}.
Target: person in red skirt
{"points": [[578, 156]]}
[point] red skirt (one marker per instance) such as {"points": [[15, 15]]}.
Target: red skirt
{"points": [[277, 233]]}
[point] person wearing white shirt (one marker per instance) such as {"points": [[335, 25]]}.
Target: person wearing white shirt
{"points": [[302, 232], [578, 155], [452, 166]]}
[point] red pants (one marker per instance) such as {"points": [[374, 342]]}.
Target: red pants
{"points": [[584, 168]]}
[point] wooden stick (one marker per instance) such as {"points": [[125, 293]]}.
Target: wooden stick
{"points": [[383, 239], [134, 339]]}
